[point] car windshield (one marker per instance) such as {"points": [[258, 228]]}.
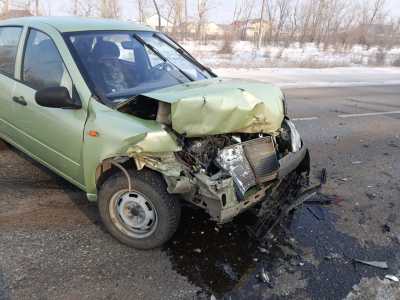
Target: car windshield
{"points": [[125, 64]]}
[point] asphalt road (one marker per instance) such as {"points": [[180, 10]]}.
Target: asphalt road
{"points": [[53, 246]]}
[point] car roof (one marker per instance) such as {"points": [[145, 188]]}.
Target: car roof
{"points": [[72, 24]]}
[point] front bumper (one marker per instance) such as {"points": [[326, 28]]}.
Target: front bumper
{"points": [[222, 201]]}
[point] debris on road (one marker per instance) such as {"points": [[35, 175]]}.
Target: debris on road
{"points": [[263, 276], [197, 250], [386, 228], [392, 278], [356, 162], [314, 214], [323, 176], [333, 256], [376, 264]]}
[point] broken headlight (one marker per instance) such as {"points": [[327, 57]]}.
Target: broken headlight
{"points": [[285, 108], [294, 136], [249, 163]]}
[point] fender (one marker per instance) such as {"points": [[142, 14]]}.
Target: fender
{"points": [[117, 135]]}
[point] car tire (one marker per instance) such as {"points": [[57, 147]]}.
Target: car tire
{"points": [[144, 218]]}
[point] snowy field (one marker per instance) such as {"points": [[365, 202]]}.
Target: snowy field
{"points": [[328, 77], [244, 54], [302, 66]]}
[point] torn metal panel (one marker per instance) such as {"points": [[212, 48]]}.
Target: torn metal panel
{"points": [[219, 106]]}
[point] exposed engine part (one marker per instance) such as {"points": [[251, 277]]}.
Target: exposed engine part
{"points": [[250, 163], [202, 152]]}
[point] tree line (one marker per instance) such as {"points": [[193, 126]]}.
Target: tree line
{"points": [[328, 22]]}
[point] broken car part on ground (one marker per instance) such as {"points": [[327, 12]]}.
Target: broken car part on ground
{"points": [[143, 122]]}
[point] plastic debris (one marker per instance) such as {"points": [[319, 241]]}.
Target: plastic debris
{"points": [[197, 250], [386, 228], [333, 256], [264, 276], [323, 176], [357, 162], [376, 264], [392, 278], [262, 250]]}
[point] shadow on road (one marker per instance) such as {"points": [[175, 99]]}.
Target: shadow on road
{"points": [[304, 257]]}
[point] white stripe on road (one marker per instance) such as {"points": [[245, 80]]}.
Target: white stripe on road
{"points": [[305, 119], [370, 114]]}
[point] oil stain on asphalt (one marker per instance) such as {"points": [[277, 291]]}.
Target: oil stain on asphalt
{"points": [[306, 257]]}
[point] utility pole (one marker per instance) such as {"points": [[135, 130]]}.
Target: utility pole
{"points": [[36, 7], [260, 30], [75, 11]]}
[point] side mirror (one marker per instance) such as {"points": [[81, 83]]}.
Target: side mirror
{"points": [[56, 97]]}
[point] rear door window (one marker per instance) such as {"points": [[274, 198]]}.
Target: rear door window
{"points": [[43, 66], [9, 39]]}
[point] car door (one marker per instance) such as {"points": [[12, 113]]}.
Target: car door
{"points": [[52, 135], [9, 40]]}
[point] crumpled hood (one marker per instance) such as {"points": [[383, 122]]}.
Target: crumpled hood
{"points": [[220, 106]]}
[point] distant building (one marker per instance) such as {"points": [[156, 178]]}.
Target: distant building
{"points": [[208, 30], [15, 13], [250, 29]]}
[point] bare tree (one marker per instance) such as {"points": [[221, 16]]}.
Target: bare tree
{"points": [[141, 6], [202, 10], [84, 8], [261, 24], [6, 6], [109, 9], [158, 13]]}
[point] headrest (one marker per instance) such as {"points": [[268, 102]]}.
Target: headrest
{"points": [[105, 49]]}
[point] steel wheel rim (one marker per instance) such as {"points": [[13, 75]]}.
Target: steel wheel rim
{"points": [[133, 214]]}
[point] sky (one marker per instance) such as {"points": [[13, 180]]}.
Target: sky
{"points": [[222, 12]]}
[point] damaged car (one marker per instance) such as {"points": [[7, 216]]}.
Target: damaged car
{"points": [[126, 114]]}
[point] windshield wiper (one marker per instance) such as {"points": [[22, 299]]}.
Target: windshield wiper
{"points": [[160, 55], [184, 53]]}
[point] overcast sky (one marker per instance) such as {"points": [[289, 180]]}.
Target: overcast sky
{"points": [[222, 12]]}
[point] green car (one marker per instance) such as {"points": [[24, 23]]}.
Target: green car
{"points": [[127, 115]]}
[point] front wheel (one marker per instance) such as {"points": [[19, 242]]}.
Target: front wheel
{"points": [[143, 218]]}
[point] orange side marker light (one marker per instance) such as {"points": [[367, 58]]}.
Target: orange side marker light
{"points": [[93, 133]]}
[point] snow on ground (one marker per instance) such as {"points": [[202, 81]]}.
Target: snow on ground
{"points": [[328, 77], [310, 55]]}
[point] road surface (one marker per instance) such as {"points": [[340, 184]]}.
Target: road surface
{"points": [[53, 246]]}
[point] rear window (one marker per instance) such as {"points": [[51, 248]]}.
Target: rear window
{"points": [[9, 38]]}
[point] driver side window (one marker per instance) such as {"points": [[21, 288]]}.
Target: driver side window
{"points": [[43, 66]]}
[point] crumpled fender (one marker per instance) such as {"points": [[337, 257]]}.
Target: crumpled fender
{"points": [[119, 135]]}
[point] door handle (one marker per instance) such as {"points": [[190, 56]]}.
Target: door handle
{"points": [[20, 100]]}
